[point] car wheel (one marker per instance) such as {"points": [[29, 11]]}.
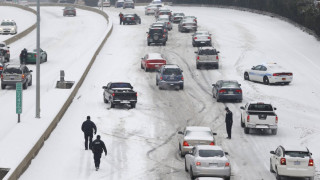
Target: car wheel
{"points": [[25, 85], [311, 178], [185, 165], [198, 66], [30, 83], [193, 45], [141, 66], [149, 44], [246, 130], [133, 105], [157, 83], [191, 173], [242, 123], [271, 169], [146, 69], [164, 43], [3, 86], [111, 105], [266, 80], [217, 66], [46, 59], [274, 131], [140, 22], [246, 76], [227, 178]]}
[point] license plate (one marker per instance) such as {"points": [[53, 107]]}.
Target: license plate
{"points": [[171, 84], [125, 101], [203, 42], [213, 164], [296, 162], [230, 92], [156, 65], [283, 79]]}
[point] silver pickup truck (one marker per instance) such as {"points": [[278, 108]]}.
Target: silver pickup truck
{"points": [[207, 56], [259, 115]]}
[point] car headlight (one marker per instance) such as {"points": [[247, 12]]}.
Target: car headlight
{"points": [[12, 29]]}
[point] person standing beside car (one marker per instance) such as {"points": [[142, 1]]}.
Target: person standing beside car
{"points": [[23, 56], [229, 122], [88, 127], [121, 17]]}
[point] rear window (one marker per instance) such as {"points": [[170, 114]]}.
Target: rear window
{"points": [[260, 107], [172, 71], [12, 71], [211, 153], [208, 52], [230, 85], [198, 133], [300, 154], [156, 31], [7, 24], [120, 85]]}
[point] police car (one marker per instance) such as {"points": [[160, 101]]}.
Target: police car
{"points": [[268, 73], [8, 27]]}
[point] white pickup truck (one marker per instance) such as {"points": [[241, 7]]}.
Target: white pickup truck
{"points": [[259, 115]]}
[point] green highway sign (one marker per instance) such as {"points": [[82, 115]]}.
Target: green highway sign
{"points": [[19, 98]]}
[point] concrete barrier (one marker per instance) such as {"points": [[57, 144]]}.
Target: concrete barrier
{"points": [[38, 145], [25, 32]]}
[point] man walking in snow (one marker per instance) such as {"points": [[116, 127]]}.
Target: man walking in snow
{"points": [[88, 127], [229, 122], [98, 147]]}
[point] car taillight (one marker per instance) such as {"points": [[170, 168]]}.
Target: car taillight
{"points": [[310, 162], [1, 68], [217, 57], [35, 55], [137, 94], [112, 94], [195, 38], [227, 164], [275, 74], [132, 18], [22, 76], [182, 78], [198, 57], [212, 144], [289, 74], [283, 161], [1, 76], [248, 118], [209, 37], [239, 91], [198, 163], [185, 143], [276, 119], [165, 30], [161, 78], [222, 91], [168, 22], [164, 36]]}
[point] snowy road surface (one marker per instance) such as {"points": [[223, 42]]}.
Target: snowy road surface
{"points": [[142, 142], [24, 19]]}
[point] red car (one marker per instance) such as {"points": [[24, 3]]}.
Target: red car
{"points": [[152, 61]]}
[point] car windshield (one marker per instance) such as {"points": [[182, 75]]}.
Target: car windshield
{"points": [[13, 71], [120, 85], [211, 153], [208, 52], [7, 24], [300, 154], [198, 133], [260, 107], [172, 71]]}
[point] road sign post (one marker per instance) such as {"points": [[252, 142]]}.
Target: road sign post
{"points": [[19, 99]]}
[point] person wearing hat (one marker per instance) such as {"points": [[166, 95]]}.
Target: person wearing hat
{"points": [[98, 147], [229, 122], [88, 127]]}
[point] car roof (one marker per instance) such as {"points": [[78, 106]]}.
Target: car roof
{"points": [[155, 56], [257, 102], [209, 147], [13, 65], [230, 81], [164, 16], [206, 48], [198, 128], [294, 148], [171, 66], [202, 32]]}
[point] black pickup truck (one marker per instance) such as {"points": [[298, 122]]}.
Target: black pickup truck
{"points": [[119, 93]]}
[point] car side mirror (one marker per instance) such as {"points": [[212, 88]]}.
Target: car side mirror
{"points": [[104, 87], [218, 51], [239, 84], [180, 132], [214, 134], [196, 52], [275, 108], [253, 67], [242, 107], [226, 153], [272, 152], [213, 85], [30, 71]]}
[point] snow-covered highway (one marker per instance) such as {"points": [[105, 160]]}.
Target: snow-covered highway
{"points": [[142, 143]]}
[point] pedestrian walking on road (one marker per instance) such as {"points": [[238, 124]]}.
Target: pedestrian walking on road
{"points": [[229, 122], [23, 56], [121, 17], [98, 147], [88, 127]]}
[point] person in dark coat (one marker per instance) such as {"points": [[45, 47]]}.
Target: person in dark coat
{"points": [[88, 127], [98, 147], [23, 56], [121, 17], [229, 122]]}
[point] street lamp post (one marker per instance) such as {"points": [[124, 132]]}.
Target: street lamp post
{"points": [[38, 63]]}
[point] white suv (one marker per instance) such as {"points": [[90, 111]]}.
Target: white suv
{"points": [[8, 27], [292, 162]]}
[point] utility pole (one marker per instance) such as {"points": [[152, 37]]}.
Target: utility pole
{"points": [[38, 63]]}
